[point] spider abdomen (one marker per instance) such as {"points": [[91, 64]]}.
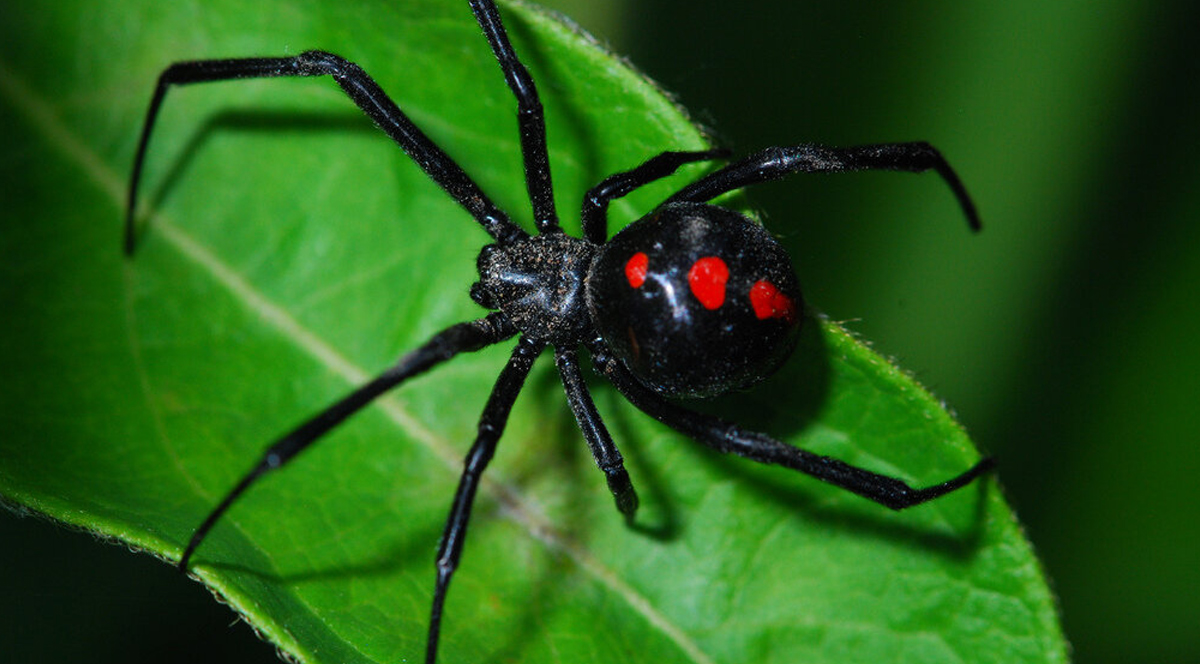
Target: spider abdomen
{"points": [[538, 283], [696, 300]]}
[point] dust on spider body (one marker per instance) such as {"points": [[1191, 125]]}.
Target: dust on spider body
{"points": [[696, 299], [691, 300]]}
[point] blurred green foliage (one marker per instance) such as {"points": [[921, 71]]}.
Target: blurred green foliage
{"points": [[1066, 334]]}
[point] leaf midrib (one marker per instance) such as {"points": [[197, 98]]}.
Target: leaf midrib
{"points": [[519, 508]]}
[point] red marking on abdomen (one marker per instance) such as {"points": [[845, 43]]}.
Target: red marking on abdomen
{"points": [[768, 302], [707, 279], [635, 269]]}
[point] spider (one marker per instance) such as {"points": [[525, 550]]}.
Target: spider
{"points": [[691, 300]]}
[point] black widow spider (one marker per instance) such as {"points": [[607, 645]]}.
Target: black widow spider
{"points": [[692, 300]]}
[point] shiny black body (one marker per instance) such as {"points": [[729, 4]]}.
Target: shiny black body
{"points": [[655, 323], [662, 333]]}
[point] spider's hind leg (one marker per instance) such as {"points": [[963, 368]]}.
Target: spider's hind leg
{"points": [[729, 438], [777, 162], [597, 199]]}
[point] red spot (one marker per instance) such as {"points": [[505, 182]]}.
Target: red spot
{"points": [[707, 279], [635, 269], [768, 302]]}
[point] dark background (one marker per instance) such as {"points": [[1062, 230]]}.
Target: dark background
{"points": [[1064, 335]]}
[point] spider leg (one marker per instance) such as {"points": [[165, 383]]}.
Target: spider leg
{"points": [[460, 338], [729, 438], [530, 118], [369, 97], [774, 163], [605, 452], [491, 425], [595, 202]]}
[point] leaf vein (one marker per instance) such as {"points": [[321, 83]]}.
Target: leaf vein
{"points": [[74, 150]]}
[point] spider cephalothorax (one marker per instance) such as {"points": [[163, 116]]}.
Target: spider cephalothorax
{"points": [[692, 300], [539, 284]]}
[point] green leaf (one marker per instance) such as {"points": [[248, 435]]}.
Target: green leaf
{"points": [[291, 250]]}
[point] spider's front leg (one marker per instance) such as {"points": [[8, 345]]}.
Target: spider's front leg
{"points": [[461, 338], [731, 439], [364, 92], [530, 117]]}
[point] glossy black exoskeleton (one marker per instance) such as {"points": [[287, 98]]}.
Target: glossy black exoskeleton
{"points": [[692, 300], [714, 304]]}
